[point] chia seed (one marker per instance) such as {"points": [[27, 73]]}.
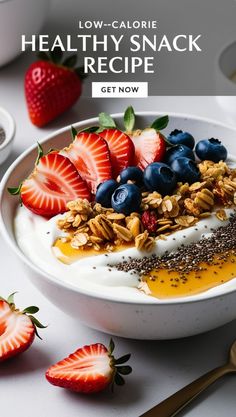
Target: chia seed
{"points": [[2, 135], [187, 258]]}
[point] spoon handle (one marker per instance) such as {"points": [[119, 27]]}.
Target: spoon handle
{"points": [[176, 402]]}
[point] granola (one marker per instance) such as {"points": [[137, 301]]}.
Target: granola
{"points": [[91, 225]]}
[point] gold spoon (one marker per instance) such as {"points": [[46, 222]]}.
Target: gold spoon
{"points": [[176, 402]]}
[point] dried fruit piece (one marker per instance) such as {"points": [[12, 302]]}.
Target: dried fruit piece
{"points": [[149, 221]]}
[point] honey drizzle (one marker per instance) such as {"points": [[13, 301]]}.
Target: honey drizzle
{"points": [[164, 283]]}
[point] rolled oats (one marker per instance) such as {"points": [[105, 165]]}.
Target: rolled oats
{"points": [[185, 221], [122, 232], [221, 214], [135, 226], [144, 241], [204, 199], [80, 239]]}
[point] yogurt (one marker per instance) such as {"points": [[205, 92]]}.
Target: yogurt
{"points": [[36, 235]]}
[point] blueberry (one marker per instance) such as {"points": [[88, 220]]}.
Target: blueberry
{"points": [[186, 170], [178, 137], [211, 149], [178, 151], [132, 173], [159, 177], [126, 199], [105, 191]]}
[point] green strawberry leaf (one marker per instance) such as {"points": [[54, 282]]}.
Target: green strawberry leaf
{"points": [[106, 121], [124, 370], [40, 153], [37, 323], [43, 56], [160, 123], [30, 310], [10, 299], [119, 380], [90, 129], [56, 55], [111, 346], [15, 190], [73, 132], [80, 72], [122, 359], [70, 61], [129, 119]]}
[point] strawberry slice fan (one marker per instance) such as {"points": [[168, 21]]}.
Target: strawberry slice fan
{"points": [[89, 153], [53, 183], [121, 149]]}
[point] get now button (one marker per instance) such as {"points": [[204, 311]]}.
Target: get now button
{"points": [[119, 89]]}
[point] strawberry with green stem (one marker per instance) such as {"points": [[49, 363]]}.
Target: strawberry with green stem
{"points": [[53, 183], [149, 145], [17, 328], [89, 369]]}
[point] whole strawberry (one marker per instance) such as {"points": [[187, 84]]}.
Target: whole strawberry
{"points": [[52, 87], [17, 328]]}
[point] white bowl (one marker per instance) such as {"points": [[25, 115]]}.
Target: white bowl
{"points": [[148, 319], [19, 17], [8, 124], [225, 68]]}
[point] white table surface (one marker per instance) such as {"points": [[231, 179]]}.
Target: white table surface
{"points": [[159, 367]]}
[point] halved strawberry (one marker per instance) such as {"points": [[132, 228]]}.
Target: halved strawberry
{"points": [[121, 149], [90, 154], [17, 328], [149, 145], [53, 183], [89, 369]]}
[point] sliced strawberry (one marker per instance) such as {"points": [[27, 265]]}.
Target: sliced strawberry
{"points": [[89, 369], [121, 149], [149, 147], [90, 154], [17, 329], [53, 183]]}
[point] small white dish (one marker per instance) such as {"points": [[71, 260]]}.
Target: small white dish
{"points": [[7, 123], [225, 69]]}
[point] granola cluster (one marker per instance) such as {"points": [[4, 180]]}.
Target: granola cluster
{"points": [[89, 225]]}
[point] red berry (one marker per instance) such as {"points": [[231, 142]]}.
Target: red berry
{"points": [[89, 369], [149, 145], [90, 154], [121, 149], [50, 89], [149, 220]]}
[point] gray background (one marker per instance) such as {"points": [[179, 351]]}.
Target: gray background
{"points": [[175, 73]]}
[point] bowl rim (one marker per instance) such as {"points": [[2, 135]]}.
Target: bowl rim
{"points": [[12, 128], [223, 49], [88, 292]]}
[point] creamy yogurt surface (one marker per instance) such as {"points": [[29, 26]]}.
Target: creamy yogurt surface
{"points": [[36, 235]]}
